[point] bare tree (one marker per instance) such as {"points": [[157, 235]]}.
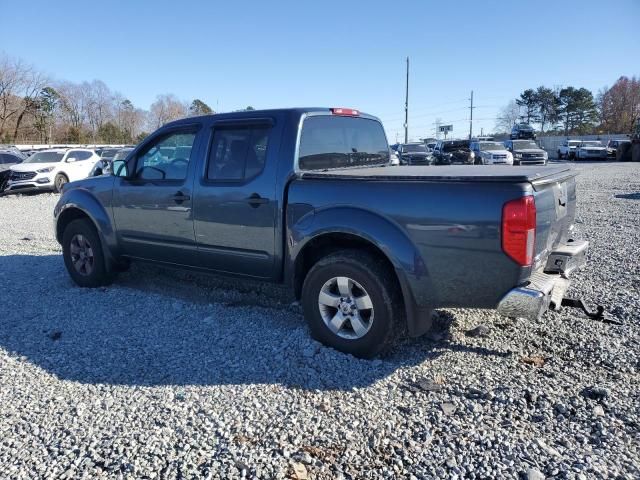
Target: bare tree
{"points": [[166, 108], [508, 116], [33, 84], [98, 105], [619, 105]]}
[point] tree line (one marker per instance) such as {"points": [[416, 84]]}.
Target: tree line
{"points": [[35, 108], [576, 111]]}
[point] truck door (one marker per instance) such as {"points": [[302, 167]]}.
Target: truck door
{"points": [[235, 206], [152, 208]]}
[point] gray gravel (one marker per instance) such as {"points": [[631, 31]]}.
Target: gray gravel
{"points": [[167, 375]]}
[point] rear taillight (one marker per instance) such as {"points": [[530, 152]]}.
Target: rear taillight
{"points": [[349, 112], [519, 229]]}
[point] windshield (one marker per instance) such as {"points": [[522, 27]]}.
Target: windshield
{"points": [[486, 146], [122, 154], [331, 141], [108, 153], [524, 126], [592, 144], [522, 144], [574, 143], [45, 157], [414, 148]]}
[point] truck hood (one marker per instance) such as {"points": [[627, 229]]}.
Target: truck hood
{"points": [[32, 167], [495, 152], [528, 150]]}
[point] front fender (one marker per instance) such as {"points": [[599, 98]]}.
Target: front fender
{"points": [[416, 284], [77, 202]]}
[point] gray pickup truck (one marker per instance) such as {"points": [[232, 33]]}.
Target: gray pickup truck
{"points": [[305, 197]]}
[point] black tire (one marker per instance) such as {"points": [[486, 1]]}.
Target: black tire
{"points": [[377, 280], [95, 273], [559, 155], [59, 182]]}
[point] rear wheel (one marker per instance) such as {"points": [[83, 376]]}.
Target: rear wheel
{"points": [[83, 255], [351, 303], [59, 182]]}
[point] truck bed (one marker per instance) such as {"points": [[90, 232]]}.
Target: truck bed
{"points": [[450, 173]]}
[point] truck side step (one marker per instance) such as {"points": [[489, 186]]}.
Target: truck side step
{"points": [[597, 315]]}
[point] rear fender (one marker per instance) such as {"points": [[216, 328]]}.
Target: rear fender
{"points": [[416, 285]]}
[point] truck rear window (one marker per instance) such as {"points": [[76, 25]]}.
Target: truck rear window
{"points": [[330, 141]]}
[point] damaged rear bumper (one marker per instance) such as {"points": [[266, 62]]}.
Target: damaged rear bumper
{"points": [[545, 289]]}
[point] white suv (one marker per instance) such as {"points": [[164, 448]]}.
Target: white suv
{"points": [[490, 153], [51, 169]]}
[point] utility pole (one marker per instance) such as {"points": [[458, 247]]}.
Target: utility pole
{"points": [[406, 108], [471, 117]]}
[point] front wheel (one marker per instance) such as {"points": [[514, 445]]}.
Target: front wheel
{"points": [[59, 182], [83, 255], [352, 304]]}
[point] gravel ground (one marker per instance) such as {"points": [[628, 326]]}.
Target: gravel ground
{"points": [[175, 375]]}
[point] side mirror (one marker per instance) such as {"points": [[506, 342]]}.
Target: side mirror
{"points": [[119, 168], [71, 159]]}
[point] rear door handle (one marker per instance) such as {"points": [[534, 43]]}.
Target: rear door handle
{"points": [[256, 200], [180, 197]]}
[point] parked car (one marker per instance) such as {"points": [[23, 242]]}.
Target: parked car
{"points": [[449, 152], [104, 166], [51, 169], [393, 158], [522, 130], [590, 150], [526, 152], [414, 154], [431, 146], [490, 153], [613, 145], [306, 197], [8, 158], [567, 149]]}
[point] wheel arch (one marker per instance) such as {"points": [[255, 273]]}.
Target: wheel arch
{"points": [[79, 204], [378, 236]]}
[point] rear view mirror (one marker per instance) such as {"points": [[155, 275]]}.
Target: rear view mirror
{"points": [[71, 159]]}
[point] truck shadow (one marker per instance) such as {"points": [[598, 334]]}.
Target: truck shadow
{"points": [[153, 327]]}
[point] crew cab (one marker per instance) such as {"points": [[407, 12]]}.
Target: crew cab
{"points": [[490, 153], [567, 149], [591, 149], [526, 152], [51, 169], [305, 197]]}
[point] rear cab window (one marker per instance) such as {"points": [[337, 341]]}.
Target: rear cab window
{"points": [[332, 141]]}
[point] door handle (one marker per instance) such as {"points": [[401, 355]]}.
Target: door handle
{"points": [[256, 200], [180, 197]]}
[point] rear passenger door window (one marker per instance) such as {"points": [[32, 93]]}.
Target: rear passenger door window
{"points": [[237, 153]]}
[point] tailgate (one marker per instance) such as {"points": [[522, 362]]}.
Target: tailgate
{"points": [[555, 199]]}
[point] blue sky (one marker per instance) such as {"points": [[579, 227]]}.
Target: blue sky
{"points": [[331, 53]]}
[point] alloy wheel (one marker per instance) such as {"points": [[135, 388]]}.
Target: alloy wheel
{"points": [[82, 255], [346, 308]]}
